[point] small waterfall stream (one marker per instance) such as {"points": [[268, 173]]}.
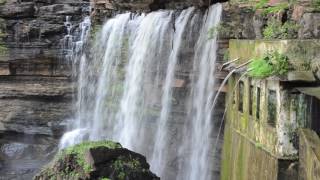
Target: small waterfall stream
{"points": [[127, 89]]}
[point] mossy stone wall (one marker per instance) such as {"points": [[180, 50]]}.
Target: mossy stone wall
{"points": [[303, 54], [309, 155], [243, 160]]}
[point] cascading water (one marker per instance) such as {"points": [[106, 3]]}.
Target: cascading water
{"points": [[144, 49], [196, 144], [74, 52], [158, 158], [126, 89]]}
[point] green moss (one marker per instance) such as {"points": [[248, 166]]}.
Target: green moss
{"points": [[105, 179], [3, 34], [122, 166], [80, 150], [227, 153], [240, 164], [94, 31], [226, 55]]}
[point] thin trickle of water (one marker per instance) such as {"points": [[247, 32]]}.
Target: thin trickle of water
{"points": [[73, 47], [224, 82]]}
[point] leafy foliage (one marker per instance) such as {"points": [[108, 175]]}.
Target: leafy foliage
{"points": [[267, 9], [275, 9], [316, 4], [271, 64], [276, 30], [262, 4], [259, 67]]}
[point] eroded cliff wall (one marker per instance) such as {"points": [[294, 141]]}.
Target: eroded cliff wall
{"points": [[36, 87]]}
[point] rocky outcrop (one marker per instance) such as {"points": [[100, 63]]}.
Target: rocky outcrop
{"points": [[97, 160], [154, 4], [310, 26], [36, 88], [107, 8]]}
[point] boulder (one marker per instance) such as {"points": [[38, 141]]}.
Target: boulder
{"points": [[97, 160]]}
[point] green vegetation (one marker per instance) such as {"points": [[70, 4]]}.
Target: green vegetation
{"points": [[218, 29], [94, 31], [226, 55], [276, 30], [316, 4], [80, 150], [266, 9], [275, 9], [122, 166], [3, 49], [262, 4], [271, 64], [2, 2]]}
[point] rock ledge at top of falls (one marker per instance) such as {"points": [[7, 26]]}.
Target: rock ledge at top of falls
{"points": [[108, 8], [153, 4], [95, 161]]}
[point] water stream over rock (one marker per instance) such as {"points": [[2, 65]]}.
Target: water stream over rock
{"points": [[148, 83]]}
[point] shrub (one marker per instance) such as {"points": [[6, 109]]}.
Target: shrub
{"points": [[275, 9], [270, 64], [276, 30]]}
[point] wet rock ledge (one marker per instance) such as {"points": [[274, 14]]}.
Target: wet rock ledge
{"points": [[96, 161]]}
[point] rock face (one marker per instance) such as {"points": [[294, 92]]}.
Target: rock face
{"points": [[310, 25], [107, 8], [98, 160], [36, 88]]}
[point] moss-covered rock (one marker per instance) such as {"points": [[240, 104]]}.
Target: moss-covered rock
{"points": [[96, 161]]}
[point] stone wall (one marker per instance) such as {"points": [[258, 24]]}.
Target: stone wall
{"points": [[309, 155], [243, 160]]}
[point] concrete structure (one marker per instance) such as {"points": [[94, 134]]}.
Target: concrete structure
{"points": [[264, 115]]}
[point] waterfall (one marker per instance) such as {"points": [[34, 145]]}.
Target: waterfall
{"points": [[158, 159], [197, 133], [127, 88], [144, 49]]}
